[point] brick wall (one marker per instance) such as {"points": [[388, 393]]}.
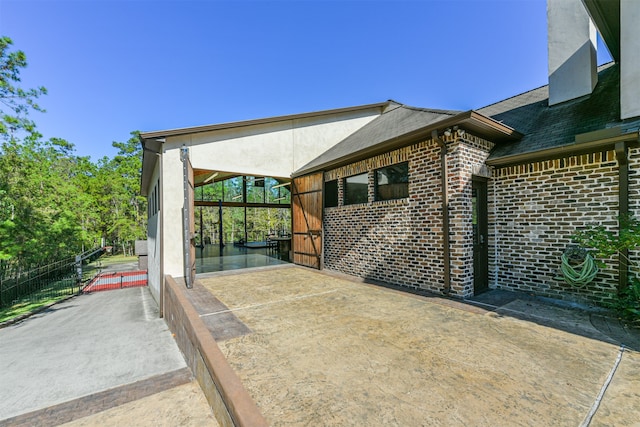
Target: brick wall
{"points": [[390, 241], [534, 209], [400, 241], [467, 159]]}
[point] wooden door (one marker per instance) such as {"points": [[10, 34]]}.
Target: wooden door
{"points": [[188, 220], [306, 200]]}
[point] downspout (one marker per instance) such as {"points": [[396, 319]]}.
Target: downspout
{"points": [[623, 209], [446, 255]]}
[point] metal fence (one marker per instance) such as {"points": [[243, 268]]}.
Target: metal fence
{"points": [[42, 283]]}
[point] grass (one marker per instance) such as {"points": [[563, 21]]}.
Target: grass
{"points": [[34, 303], [26, 307]]}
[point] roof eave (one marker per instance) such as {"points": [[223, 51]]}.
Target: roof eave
{"points": [[267, 120], [606, 16], [150, 149], [471, 121], [573, 149]]}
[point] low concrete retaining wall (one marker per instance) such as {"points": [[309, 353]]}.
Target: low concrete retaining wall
{"points": [[228, 398]]}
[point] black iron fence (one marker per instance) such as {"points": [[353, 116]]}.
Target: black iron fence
{"points": [[48, 282]]}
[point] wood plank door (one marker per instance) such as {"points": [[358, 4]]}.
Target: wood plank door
{"points": [[306, 199], [188, 220]]}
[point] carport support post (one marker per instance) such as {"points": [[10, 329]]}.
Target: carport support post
{"points": [[220, 225]]}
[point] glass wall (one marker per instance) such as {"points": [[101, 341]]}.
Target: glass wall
{"points": [[249, 210]]}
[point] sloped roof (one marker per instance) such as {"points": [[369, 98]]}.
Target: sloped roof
{"points": [[549, 127], [396, 121], [401, 125]]}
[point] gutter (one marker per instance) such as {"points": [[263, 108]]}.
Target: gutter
{"points": [[581, 145], [445, 212]]}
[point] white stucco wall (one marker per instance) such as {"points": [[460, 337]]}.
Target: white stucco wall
{"points": [[276, 149], [153, 240], [572, 51], [629, 58]]}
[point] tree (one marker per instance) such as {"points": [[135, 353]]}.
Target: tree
{"points": [[15, 102], [120, 208], [39, 199]]}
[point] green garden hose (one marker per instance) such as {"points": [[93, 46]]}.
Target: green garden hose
{"points": [[581, 274]]}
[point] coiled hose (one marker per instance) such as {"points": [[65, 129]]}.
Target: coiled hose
{"points": [[581, 274]]}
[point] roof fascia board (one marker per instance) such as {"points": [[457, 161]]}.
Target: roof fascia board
{"points": [[231, 125], [565, 150]]}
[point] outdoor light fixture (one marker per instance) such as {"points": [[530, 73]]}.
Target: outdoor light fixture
{"points": [[278, 199], [460, 132], [236, 197], [447, 132]]}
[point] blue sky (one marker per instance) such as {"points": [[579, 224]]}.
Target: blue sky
{"points": [[115, 66]]}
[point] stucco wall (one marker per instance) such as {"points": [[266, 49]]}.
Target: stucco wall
{"points": [[153, 235], [275, 149]]}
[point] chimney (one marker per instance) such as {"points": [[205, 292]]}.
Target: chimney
{"points": [[572, 51], [629, 59]]}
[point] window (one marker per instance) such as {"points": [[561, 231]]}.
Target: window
{"points": [[392, 182], [331, 194], [356, 189]]}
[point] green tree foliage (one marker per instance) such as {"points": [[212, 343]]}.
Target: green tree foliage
{"points": [[606, 244], [15, 102], [54, 203], [42, 206], [123, 211]]}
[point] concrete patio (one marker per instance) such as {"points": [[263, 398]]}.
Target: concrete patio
{"points": [[314, 348]]}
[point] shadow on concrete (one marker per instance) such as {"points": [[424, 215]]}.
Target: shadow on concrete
{"points": [[590, 322]]}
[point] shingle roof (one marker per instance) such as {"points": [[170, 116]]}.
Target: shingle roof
{"points": [[545, 127], [396, 121]]}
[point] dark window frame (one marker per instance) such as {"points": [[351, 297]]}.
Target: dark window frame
{"points": [[392, 194], [346, 197], [334, 199]]}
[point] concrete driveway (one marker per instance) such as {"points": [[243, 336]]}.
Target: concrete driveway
{"points": [[315, 349], [90, 354]]}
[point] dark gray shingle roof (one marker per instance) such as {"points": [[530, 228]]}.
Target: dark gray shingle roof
{"points": [[546, 127], [396, 121]]}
